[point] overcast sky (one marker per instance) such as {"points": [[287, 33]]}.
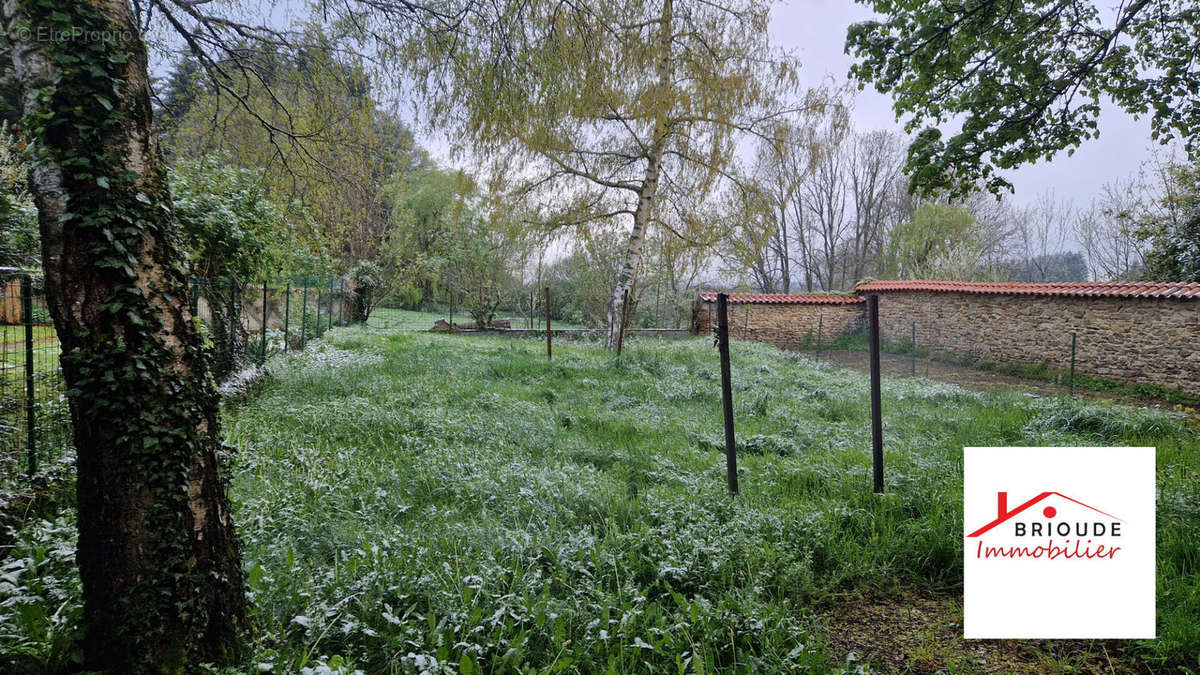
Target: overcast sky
{"points": [[817, 30]]}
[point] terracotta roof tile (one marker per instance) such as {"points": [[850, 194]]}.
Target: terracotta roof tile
{"points": [[785, 298], [1114, 289]]}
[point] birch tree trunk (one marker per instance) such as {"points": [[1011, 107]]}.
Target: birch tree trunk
{"points": [[157, 552], [649, 189]]}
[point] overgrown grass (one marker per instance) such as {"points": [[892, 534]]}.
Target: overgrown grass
{"points": [[429, 503]]}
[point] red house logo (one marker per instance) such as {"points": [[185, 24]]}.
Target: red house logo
{"points": [[1003, 514]]}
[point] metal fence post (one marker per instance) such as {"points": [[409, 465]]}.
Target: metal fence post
{"points": [[30, 393], [914, 349], [1072, 381], [727, 392], [195, 295], [330, 320], [304, 313], [317, 334], [262, 348], [876, 412], [820, 325], [287, 308], [549, 349], [342, 302]]}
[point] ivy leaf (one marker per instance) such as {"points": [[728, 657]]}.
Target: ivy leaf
{"points": [[102, 182], [105, 102]]}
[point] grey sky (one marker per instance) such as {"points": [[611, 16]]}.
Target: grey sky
{"points": [[817, 30]]}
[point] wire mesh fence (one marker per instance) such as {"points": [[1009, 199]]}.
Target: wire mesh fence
{"points": [[243, 324], [35, 423], [246, 323]]}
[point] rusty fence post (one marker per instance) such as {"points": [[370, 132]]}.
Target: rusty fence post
{"points": [[876, 413], [727, 392]]}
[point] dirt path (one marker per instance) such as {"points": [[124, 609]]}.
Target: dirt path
{"points": [[896, 365]]}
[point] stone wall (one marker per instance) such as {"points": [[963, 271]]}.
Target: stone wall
{"points": [[1144, 340], [784, 325]]}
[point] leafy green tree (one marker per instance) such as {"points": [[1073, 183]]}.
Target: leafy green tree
{"points": [[309, 124], [615, 109], [938, 242], [157, 552], [1026, 78], [430, 207], [1171, 229], [235, 235]]}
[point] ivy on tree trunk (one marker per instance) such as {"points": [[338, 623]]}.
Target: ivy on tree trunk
{"points": [[158, 554]]}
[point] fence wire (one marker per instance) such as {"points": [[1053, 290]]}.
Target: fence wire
{"points": [[35, 423], [242, 323]]}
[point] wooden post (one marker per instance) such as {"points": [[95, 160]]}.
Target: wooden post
{"points": [[727, 392], [549, 349], [876, 414]]}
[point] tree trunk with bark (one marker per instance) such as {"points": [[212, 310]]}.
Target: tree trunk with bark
{"points": [[158, 554], [648, 191]]}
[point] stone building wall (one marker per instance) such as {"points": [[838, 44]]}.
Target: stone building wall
{"points": [[1145, 340], [784, 325]]}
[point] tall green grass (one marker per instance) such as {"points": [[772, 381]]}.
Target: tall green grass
{"points": [[429, 503]]}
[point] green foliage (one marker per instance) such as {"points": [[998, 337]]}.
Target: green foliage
{"points": [[938, 242], [232, 228], [449, 245], [1172, 231], [581, 282], [20, 245], [366, 279], [1025, 78], [307, 123]]}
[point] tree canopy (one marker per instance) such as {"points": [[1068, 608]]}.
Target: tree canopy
{"points": [[1025, 79]]}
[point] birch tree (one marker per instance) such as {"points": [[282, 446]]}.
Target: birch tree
{"points": [[157, 551], [612, 109]]}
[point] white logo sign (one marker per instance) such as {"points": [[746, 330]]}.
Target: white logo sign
{"points": [[1058, 543]]}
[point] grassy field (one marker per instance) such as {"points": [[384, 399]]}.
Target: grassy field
{"points": [[405, 319], [427, 503]]}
